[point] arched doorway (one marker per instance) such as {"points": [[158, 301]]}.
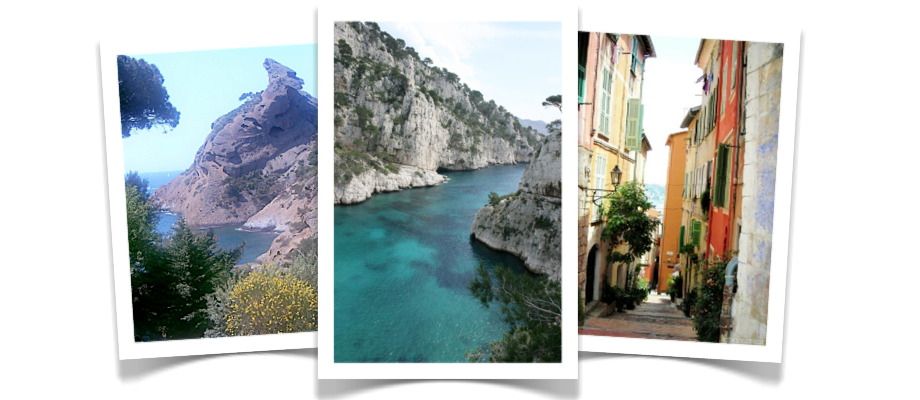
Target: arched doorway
{"points": [[590, 274]]}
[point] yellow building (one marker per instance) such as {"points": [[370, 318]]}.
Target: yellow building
{"points": [[612, 124], [697, 176]]}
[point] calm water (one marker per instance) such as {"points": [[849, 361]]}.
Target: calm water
{"points": [[228, 237], [403, 261]]}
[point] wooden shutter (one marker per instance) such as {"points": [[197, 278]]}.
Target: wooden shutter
{"points": [[633, 112], [697, 232], [600, 177], [681, 243], [606, 86], [721, 176]]}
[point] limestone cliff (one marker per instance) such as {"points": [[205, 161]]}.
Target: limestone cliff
{"points": [[528, 222], [257, 167], [398, 119]]}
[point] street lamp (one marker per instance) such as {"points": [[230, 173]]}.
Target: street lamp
{"points": [[615, 174]]}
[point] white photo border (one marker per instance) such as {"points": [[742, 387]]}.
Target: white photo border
{"points": [[169, 41], [327, 367], [592, 20]]}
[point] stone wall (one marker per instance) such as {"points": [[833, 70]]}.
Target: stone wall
{"points": [[761, 124]]}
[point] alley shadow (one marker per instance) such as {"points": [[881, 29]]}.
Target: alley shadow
{"points": [[340, 388], [132, 370], [770, 373]]}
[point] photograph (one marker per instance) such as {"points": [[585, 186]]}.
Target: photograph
{"points": [[219, 152], [677, 173], [447, 194]]}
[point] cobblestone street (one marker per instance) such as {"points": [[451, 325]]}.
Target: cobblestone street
{"points": [[656, 318]]}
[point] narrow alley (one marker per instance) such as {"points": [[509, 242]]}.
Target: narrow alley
{"points": [[655, 318]]}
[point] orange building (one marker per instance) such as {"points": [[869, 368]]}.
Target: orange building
{"points": [[673, 205]]}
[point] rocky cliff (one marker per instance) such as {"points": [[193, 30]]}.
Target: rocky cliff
{"points": [[528, 223], [398, 119], [257, 167]]}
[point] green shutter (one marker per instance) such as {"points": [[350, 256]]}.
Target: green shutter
{"points": [[633, 112], [697, 232], [681, 243], [721, 176]]}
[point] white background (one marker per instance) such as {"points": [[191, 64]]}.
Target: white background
{"points": [[850, 307]]}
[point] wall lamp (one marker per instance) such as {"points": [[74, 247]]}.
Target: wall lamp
{"points": [[614, 178]]}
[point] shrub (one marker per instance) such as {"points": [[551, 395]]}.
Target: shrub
{"points": [[267, 301], [706, 304]]}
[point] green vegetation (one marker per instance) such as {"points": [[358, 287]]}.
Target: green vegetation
{"points": [[542, 223], [628, 225], [345, 55], [706, 301], [532, 308], [268, 300], [351, 163], [253, 185], [142, 97], [554, 101], [341, 99], [183, 286], [494, 198], [170, 278]]}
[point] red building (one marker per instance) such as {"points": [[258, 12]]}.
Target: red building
{"points": [[724, 84]]}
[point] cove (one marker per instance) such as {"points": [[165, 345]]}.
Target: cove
{"points": [[228, 237], [403, 261]]}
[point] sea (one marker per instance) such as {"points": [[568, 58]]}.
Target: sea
{"points": [[228, 237], [403, 263]]}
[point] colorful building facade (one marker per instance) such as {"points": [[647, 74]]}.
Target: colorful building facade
{"points": [[611, 75], [673, 210]]}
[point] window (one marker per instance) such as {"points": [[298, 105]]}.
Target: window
{"points": [[606, 96], [722, 165], [681, 243], [582, 62], [696, 232], [633, 124], [634, 51], [600, 172]]}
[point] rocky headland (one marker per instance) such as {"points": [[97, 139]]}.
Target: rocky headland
{"points": [[399, 119], [257, 167], [528, 223]]}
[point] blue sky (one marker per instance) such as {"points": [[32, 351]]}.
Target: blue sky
{"points": [[670, 91], [517, 64], [204, 85]]}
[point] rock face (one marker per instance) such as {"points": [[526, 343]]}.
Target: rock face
{"points": [[395, 114], [257, 167], [528, 223]]}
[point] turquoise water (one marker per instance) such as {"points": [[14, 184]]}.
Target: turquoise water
{"points": [[228, 237], [403, 261]]}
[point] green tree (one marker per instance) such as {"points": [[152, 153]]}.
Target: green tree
{"points": [[554, 101], [531, 306], [194, 267], [554, 126], [144, 257], [628, 224], [142, 221], [143, 98]]}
